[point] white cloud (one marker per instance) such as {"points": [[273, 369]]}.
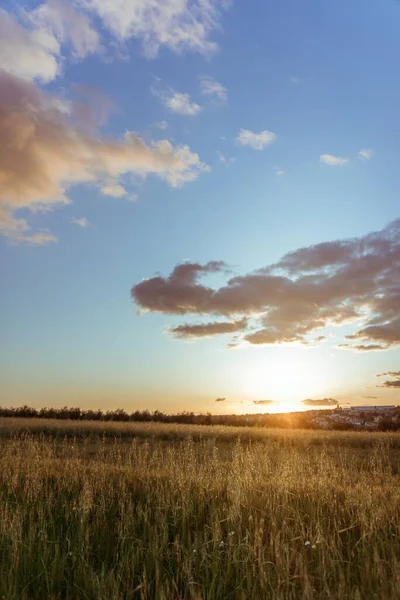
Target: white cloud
{"points": [[181, 104], [333, 161], [366, 153], [211, 88], [295, 80], [81, 221], [225, 159], [258, 141], [176, 24], [163, 125], [279, 172], [32, 49], [113, 188], [47, 153]]}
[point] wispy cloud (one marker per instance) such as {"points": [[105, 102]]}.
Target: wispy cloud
{"points": [[333, 161], [178, 26], [213, 89], [225, 159], [353, 281], [80, 221], [207, 329], [366, 153], [263, 402], [320, 402], [257, 141], [163, 125]]}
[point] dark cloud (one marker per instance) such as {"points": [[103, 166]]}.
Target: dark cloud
{"points": [[220, 399], [263, 402], [363, 347], [207, 329], [355, 281], [369, 397], [393, 383], [320, 402], [389, 374]]}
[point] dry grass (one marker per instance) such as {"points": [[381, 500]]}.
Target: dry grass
{"points": [[201, 517]]}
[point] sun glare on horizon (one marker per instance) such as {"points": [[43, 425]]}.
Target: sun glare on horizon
{"points": [[283, 381]]}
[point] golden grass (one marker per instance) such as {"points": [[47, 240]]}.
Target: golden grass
{"points": [[156, 511]]}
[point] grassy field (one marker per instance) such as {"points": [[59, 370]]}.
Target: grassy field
{"points": [[150, 511]]}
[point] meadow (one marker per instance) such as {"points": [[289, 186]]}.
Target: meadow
{"points": [[161, 511]]}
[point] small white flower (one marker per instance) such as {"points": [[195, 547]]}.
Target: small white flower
{"points": [[313, 546], [231, 533], [194, 551], [307, 543], [221, 544]]}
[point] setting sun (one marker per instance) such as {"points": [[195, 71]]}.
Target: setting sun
{"points": [[285, 381]]}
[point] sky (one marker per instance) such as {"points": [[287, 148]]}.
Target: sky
{"points": [[199, 200]]}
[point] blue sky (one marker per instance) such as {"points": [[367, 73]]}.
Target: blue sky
{"points": [[280, 132]]}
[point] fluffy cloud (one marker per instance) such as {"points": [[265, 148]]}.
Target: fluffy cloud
{"points": [[176, 25], [394, 382], [213, 89], [180, 103], [354, 281], [45, 151], [32, 50], [366, 153], [258, 141], [333, 161], [200, 330], [320, 402]]}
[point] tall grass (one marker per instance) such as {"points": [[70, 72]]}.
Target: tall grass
{"points": [[284, 516]]}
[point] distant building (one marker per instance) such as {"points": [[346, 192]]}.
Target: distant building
{"points": [[371, 408]]}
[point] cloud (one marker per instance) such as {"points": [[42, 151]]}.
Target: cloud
{"points": [[393, 383], [180, 103], [279, 172], [366, 153], [363, 347], [263, 402], [200, 330], [225, 159], [320, 402], [163, 125], [113, 188], [369, 397], [176, 25], [333, 161], [257, 141], [33, 49], [353, 281], [213, 89], [295, 80], [220, 399], [48, 151], [81, 221]]}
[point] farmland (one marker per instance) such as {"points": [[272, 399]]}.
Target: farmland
{"points": [[148, 510]]}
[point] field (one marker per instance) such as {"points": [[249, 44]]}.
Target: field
{"points": [[149, 511]]}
